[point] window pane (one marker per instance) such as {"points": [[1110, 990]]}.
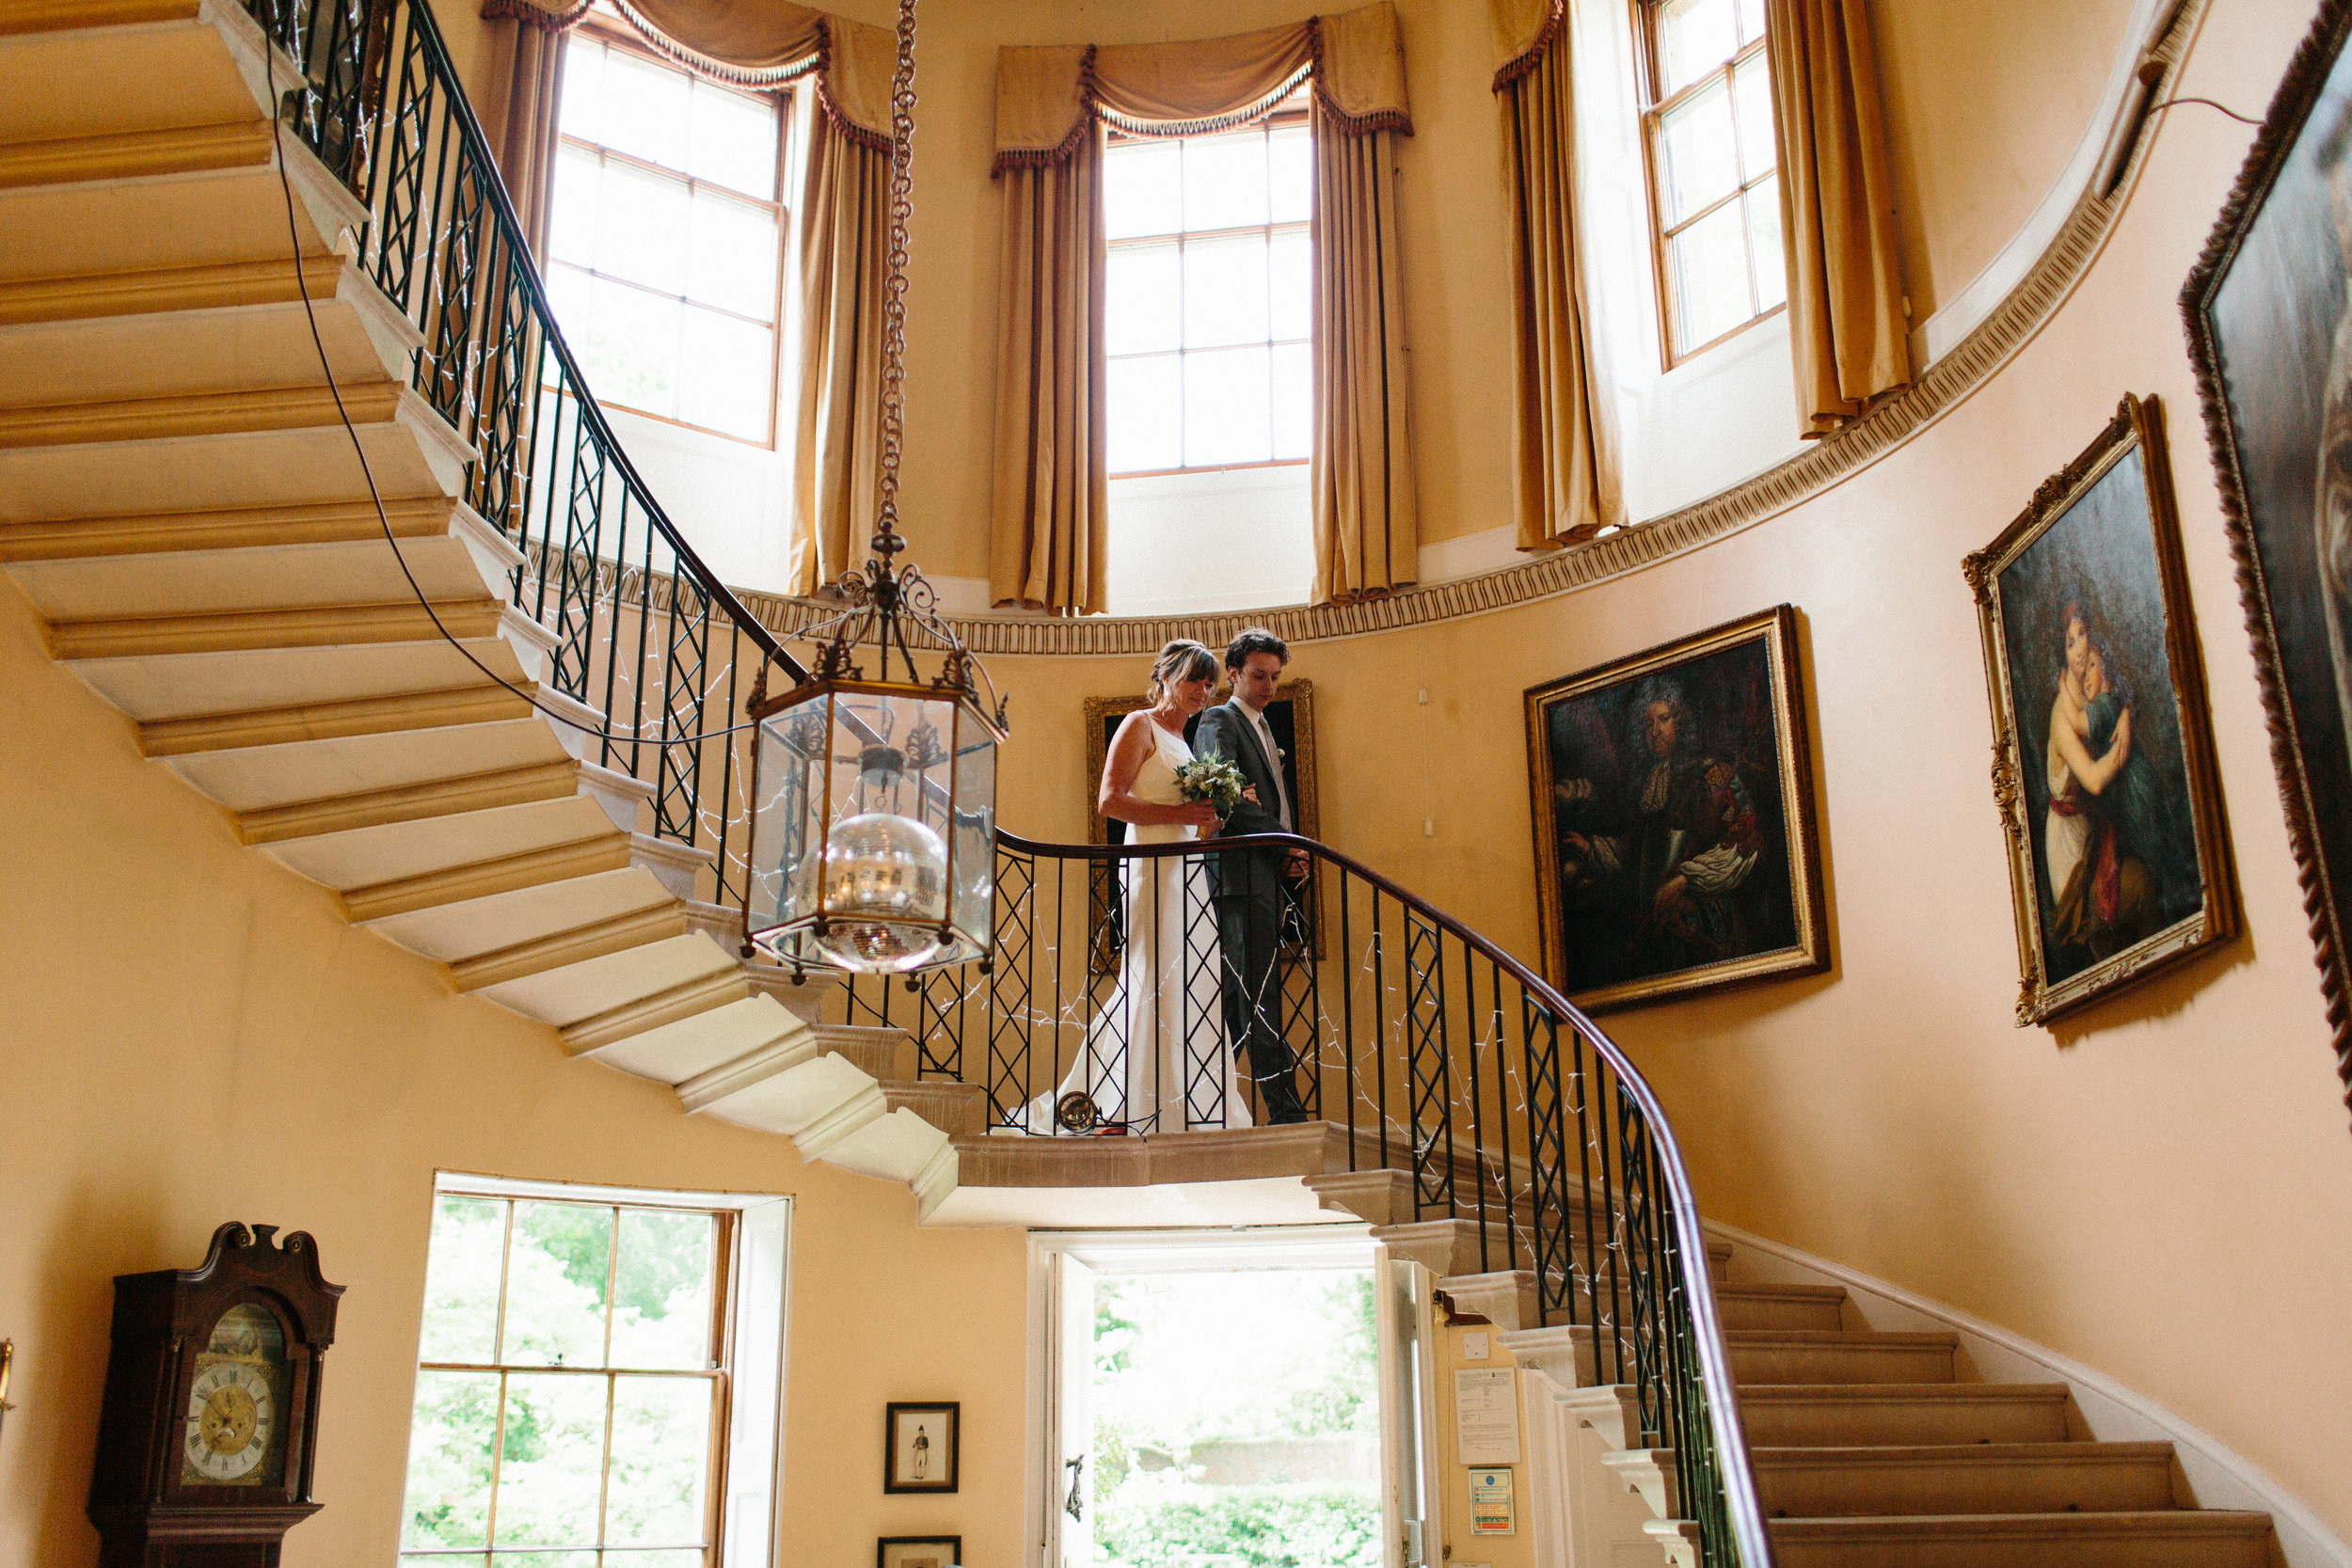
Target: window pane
{"points": [[1143, 189], [660, 1457], [727, 367], [1693, 36], [1697, 160], [1293, 401], [1709, 265], [1764, 246], [1143, 311], [1225, 291], [1290, 181], [1228, 407], [556, 1273], [1225, 181], [1147, 413], [572, 221], [732, 256], [461, 1281], [550, 1459], [569, 293], [644, 109], [632, 353], [1292, 267], [641, 228], [1751, 21], [661, 1290], [448, 1500], [583, 87], [1752, 84], [732, 140]]}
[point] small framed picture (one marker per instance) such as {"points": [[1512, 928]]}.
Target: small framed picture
{"points": [[920, 1454], [918, 1551]]}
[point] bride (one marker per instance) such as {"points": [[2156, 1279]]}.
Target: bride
{"points": [[1155, 1058]]}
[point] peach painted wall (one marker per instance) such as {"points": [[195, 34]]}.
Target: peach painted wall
{"points": [[2160, 1187], [190, 1034]]}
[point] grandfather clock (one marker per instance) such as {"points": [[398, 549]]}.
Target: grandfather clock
{"points": [[211, 1420]]}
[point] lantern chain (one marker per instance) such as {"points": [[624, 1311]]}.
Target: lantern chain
{"points": [[893, 344]]}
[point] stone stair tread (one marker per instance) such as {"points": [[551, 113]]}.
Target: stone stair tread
{"points": [[255, 577], [167, 689], [286, 773], [583, 992], [83, 68], [1863, 1338], [453, 933], [1960, 1453]]}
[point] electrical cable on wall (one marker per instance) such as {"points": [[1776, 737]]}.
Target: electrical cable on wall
{"points": [[310, 310]]}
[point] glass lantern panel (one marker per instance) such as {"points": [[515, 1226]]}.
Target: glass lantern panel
{"points": [[974, 842], [788, 818], [891, 759]]}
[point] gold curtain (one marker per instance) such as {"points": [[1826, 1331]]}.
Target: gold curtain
{"points": [[1564, 473], [526, 82], [842, 216], [1052, 487], [844, 227], [1049, 525], [1847, 325], [1367, 538]]}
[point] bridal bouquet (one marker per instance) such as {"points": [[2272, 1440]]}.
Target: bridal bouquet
{"points": [[1214, 780]]}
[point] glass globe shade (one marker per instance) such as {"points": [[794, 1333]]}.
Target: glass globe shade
{"points": [[885, 891]]}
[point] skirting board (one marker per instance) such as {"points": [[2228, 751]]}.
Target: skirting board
{"points": [[2219, 1477]]}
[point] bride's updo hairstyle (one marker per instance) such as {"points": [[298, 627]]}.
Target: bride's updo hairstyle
{"points": [[1181, 661]]}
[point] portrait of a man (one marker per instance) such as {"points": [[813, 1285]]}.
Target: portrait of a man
{"points": [[1673, 827]]}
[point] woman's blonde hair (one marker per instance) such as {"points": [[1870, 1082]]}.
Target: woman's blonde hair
{"points": [[1181, 661]]}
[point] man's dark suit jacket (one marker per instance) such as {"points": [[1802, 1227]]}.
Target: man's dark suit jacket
{"points": [[1226, 732]]}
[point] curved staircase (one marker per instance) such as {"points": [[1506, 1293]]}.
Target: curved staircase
{"points": [[181, 506]]}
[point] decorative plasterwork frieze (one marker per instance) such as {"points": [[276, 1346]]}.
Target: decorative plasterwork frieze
{"points": [[1942, 386]]}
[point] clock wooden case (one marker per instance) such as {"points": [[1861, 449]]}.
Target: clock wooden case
{"points": [[210, 1425]]}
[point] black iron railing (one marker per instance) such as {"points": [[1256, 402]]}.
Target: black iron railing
{"points": [[646, 637], [1436, 1054]]}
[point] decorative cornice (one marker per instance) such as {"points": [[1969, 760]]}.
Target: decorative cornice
{"points": [[1824, 462]]}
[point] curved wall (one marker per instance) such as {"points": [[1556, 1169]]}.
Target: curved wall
{"points": [[2160, 1187]]}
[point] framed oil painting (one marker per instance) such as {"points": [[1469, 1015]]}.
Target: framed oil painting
{"points": [[923, 1442], [1292, 718], [2269, 325], [918, 1551], [2103, 762], [1675, 842]]}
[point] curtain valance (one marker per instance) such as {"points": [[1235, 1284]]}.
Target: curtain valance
{"points": [[753, 46], [1523, 33], [1048, 99]]}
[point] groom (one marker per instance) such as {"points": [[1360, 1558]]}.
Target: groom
{"points": [[1247, 884]]}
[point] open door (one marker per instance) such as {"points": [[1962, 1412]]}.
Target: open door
{"points": [[1407, 1399], [1069, 1480]]}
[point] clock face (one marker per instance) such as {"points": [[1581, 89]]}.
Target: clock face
{"points": [[235, 1404]]}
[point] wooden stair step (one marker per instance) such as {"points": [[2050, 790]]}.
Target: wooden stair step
{"points": [[1773, 1306], [411, 450], [1801, 1356], [509, 936], [401, 866], [206, 217], [1846, 1415], [66, 363], [2168, 1537], [1974, 1478], [67, 80]]}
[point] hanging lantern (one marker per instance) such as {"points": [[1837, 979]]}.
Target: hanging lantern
{"points": [[873, 842]]}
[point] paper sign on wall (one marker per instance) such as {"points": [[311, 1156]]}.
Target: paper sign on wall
{"points": [[1491, 1502], [1487, 1416]]}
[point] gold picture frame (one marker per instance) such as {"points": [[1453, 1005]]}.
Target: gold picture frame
{"points": [[2117, 859], [1629, 912]]}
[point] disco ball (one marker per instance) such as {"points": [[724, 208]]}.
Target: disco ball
{"points": [[885, 893]]}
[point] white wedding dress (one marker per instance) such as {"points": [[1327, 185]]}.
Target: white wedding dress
{"points": [[1155, 1056]]}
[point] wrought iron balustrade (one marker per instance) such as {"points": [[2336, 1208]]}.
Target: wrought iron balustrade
{"points": [[645, 634], [1439, 1055]]}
